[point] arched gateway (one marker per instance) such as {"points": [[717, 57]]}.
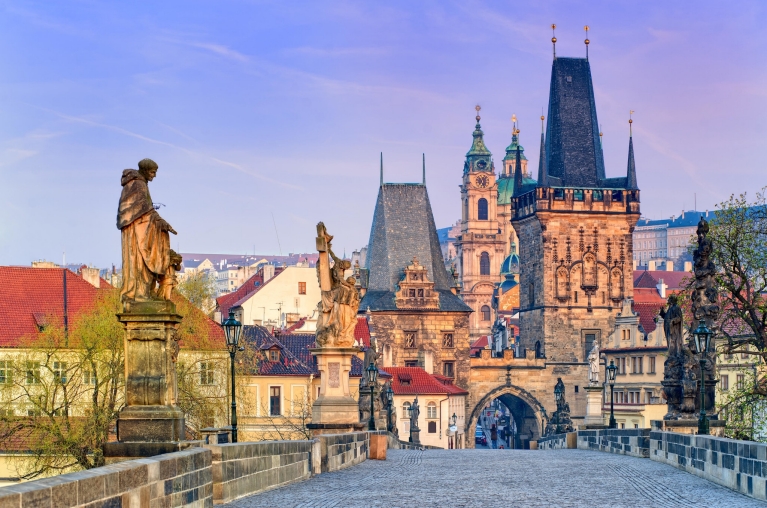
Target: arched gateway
{"points": [[528, 413]]}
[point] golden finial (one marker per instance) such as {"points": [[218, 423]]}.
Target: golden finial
{"points": [[477, 107], [554, 38], [586, 28], [631, 112], [542, 118]]}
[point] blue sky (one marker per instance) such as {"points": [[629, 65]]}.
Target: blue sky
{"points": [[254, 109]]}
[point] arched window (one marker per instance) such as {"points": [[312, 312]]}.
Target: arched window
{"points": [[431, 410], [482, 209], [484, 264], [485, 313], [406, 410], [538, 353]]}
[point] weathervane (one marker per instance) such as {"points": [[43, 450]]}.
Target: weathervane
{"points": [[554, 39], [477, 107], [586, 28]]}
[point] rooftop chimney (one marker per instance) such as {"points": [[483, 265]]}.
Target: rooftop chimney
{"points": [[688, 266], [669, 266], [651, 265], [91, 276], [661, 288]]}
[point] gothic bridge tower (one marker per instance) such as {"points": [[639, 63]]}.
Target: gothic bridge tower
{"points": [[481, 246], [574, 228]]}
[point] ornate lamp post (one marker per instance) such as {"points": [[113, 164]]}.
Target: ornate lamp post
{"points": [[612, 369], [558, 396], [372, 375], [389, 406], [702, 336], [233, 329], [454, 419]]}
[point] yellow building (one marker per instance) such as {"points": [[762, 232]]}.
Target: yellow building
{"points": [[639, 357]]}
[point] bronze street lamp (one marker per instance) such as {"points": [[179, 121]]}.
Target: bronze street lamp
{"points": [[611, 371], [389, 405], [702, 336], [372, 375], [233, 329]]}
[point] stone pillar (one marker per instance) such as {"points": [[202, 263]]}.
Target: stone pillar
{"points": [[594, 406], [335, 410], [151, 421]]}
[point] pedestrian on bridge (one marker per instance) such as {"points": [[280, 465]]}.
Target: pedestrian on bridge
{"points": [[494, 436]]}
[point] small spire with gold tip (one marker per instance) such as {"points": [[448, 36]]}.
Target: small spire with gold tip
{"points": [[600, 136], [554, 39], [586, 28], [631, 112], [513, 124]]}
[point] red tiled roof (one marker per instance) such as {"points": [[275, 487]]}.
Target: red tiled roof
{"points": [[480, 343], [419, 382], [362, 332], [649, 279], [225, 302], [32, 295], [647, 313]]}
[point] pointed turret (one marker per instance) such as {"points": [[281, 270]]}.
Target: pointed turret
{"points": [[631, 172], [543, 176], [478, 145], [511, 152], [478, 158], [518, 181]]}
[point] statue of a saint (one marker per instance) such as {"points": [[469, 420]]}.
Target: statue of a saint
{"points": [[339, 297], [672, 326], [145, 238], [594, 364], [415, 411]]}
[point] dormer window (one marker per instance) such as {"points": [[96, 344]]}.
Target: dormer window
{"points": [[274, 355]]}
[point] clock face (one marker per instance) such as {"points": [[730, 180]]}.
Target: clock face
{"points": [[482, 181], [481, 165]]}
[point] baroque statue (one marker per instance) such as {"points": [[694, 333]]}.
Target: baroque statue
{"points": [[340, 300], [148, 271], [594, 364]]}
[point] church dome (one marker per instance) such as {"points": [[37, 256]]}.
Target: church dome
{"points": [[508, 283], [510, 264]]}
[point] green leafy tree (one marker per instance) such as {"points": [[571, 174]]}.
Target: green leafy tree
{"points": [[200, 289]]}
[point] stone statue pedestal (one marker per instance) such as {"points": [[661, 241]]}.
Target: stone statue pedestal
{"points": [[150, 414], [415, 436], [335, 410], [593, 406]]}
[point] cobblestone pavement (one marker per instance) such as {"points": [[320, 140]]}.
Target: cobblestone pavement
{"points": [[489, 478]]}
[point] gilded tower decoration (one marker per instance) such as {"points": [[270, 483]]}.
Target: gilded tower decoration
{"points": [[481, 246]]}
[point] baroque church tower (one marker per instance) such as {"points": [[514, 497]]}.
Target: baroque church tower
{"points": [[574, 228], [481, 245]]}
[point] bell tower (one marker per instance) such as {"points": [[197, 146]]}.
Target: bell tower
{"points": [[480, 246]]}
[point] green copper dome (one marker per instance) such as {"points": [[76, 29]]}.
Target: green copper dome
{"points": [[506, 188], [511, 150]]}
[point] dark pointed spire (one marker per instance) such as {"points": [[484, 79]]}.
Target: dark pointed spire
{"points": [[631, 172], [518, 181], [543, 176], [554, 39], [424, 168]]}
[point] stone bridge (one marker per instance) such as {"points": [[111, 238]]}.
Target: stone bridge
{"points": [[530, 478]]}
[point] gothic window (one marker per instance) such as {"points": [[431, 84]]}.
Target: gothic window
{"points": [[447, 340], [531, 294], [410, 340], [562, 282], [538, 352], [485, 313], [484, 264], [482, 209]]}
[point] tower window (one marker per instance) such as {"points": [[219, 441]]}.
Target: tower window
{"points": [[482, 209], [484, 264], [485, 313]]}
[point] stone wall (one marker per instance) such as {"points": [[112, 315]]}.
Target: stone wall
{"points": [[174, 479], [555, 442], [242, 469], [737, 465], [339, 451], [634, 442]]}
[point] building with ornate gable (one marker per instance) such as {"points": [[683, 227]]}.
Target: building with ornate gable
{"points": [[414, 311]]}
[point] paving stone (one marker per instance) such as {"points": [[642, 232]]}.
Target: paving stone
{"points": [[530, 478]]}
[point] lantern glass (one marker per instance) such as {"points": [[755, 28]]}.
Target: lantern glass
{"points": [[702, 336], [455, 418], [558, 394], [611, 371], [389, 395], [232, 330], [372, 373]]}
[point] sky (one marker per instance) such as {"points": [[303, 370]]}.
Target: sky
{"points": [[267, 117]]}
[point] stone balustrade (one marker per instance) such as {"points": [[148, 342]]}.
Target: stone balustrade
{"points": [[196, 478], [738, 465]]}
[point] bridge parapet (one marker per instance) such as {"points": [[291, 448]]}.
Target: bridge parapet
{"points": [[486, 359]]}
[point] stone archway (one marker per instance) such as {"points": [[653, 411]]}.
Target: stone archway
{"points": [[529, 414]]}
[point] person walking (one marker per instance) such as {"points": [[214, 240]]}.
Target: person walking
{"points": [[494, 436]]}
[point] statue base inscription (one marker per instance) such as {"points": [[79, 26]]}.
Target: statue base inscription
{"points": [[335, 405], [150, 413]]}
